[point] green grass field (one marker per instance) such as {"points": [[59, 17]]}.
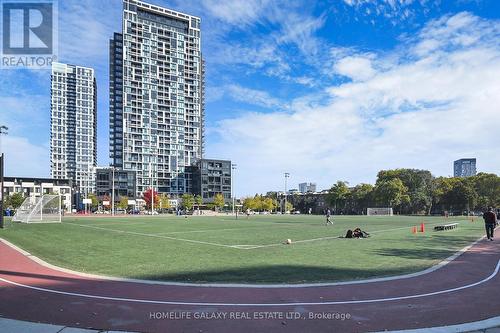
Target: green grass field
{"points": [[222, 249]]}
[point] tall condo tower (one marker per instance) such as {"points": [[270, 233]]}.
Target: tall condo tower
{"points": [[465, 167], [156, 96], [73, 132]]}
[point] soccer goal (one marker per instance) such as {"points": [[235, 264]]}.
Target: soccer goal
{"points": [[384, 211], [43, 209]]}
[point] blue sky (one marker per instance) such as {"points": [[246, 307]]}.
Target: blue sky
{"points": [[325, 90]]}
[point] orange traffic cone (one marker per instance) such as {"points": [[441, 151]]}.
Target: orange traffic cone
{"points": [[414, 230], [422, 227]]}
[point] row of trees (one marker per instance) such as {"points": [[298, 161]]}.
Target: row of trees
{"points": [[188, 201], [267, 203], [411, 191]]}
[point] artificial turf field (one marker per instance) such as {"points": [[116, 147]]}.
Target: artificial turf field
{"points": [[222, 249]]}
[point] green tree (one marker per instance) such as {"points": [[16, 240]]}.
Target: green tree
{"points": [[218, 201], [268, 204], [392, 193], [361, 196], [164, 201], [123, 203], [338, 194], [289, 207], [419, 188], [487, 186], [455, 193], [248, 203], [95, 201], [187, 201], [258, 203], [198, 200], [15, 200]]}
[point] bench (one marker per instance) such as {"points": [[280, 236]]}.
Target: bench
{"points": [[448, 226]]}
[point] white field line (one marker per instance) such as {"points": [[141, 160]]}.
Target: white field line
{"points": [[114, 223], [205, 231], [431, 269], [153, 235], [332, 237], [172, 302], [244, 246], [237, 246]]}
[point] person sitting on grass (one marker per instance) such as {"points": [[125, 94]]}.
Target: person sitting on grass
{"points": [[357, 233]]}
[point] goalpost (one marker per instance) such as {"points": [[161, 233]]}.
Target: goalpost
{"points": [[43, 209], [384, 211]]}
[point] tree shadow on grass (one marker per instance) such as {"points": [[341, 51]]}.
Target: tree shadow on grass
{"points": [[259, 274], [444, 247], [421, 253], [276, 274]]}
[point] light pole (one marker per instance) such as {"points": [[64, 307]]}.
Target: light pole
{"points": [[152, 193], [233, 167], [287, 175], [113, 191], [3, 131]]}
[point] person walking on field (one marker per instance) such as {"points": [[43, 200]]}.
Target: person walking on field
{"points": [[490, 221], [328, 217]]}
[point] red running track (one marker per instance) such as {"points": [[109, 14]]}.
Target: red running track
{"points": [[463, 291]]}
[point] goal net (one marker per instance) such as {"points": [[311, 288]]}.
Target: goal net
{"points": [[385, 211], [43, 209]]}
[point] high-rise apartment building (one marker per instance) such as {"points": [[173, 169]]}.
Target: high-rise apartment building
{"points": [[156, 96], [464, 167], [73, 133]]}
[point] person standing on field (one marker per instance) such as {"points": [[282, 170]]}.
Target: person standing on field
{"points": [[490, 221], [328, 217]]}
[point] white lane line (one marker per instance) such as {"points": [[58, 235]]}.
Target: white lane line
{"points": [[375, 300], [153, 235]]}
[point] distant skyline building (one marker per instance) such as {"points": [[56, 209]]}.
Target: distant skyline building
{"points": [[307, 187], [156, 96], [465, 167], [73, 130]]}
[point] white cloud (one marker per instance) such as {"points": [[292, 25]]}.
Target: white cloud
{"points": [[23, 158], [253, 96], [394, 11], [411, 109], [283, 26], [300, 29], [85, 28], [357, 67], [238, 12]]}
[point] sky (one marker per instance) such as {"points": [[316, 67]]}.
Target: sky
{"points": [[325, 90]]}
